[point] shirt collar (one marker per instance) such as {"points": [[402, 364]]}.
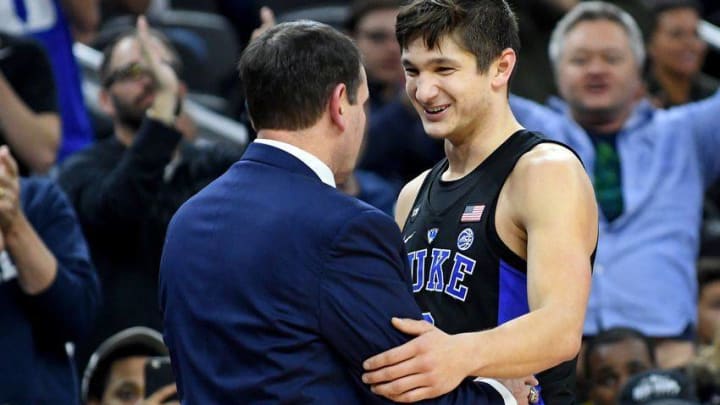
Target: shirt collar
{"points": [[316, 165]]}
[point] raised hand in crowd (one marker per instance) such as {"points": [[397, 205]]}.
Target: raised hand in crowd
{"points": [[162, 395], [36, 265], [165, 78], [267, 20]]}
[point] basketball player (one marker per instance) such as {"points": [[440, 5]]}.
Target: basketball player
{"points": [[500, 234]]}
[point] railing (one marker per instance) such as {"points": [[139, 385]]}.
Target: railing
{"points": [[711, 34]]}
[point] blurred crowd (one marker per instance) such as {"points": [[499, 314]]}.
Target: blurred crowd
{"points": [[88, 184]]}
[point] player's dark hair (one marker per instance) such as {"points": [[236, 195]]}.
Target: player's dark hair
{"points": [[290, 71], [612, 336], [483, 27]]}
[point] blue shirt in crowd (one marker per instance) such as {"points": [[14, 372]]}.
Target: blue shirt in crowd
{"points": [[34, 365], [45, 20], [645, 274]]}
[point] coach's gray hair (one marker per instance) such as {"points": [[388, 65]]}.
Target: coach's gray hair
{"points": [[592, 11]]}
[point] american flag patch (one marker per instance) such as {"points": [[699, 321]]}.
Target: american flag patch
{"points": [[472, 213]]}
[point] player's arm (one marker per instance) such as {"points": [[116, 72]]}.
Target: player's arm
{"points": [[407, 198], [552, 200]]}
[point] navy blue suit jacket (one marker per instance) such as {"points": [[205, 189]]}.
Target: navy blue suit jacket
{"points": [[275, 287]]}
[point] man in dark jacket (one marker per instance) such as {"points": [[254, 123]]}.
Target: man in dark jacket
{"points": [[126, 188], [49, 293]]}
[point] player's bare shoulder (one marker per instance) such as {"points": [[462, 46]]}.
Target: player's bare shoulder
{"points": [[549, 177], [547, 165], [550, 181], [548, 154]]}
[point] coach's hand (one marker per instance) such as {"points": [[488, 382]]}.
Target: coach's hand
{"points": [[520, 388], [428, 366]]}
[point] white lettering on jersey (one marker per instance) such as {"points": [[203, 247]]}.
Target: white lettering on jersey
{"points": [[41, 16]]}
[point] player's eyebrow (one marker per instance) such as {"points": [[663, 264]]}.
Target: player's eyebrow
{"points": [[439, 60]]}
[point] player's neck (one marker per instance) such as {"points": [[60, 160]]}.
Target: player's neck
{"points": [[467, 152]]}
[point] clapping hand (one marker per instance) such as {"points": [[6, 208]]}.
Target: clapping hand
{"points": [[9, 190]]}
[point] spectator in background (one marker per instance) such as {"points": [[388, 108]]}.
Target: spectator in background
{"points": [[372, 24], [704, 371], [127, 187], [115, 374], [537, 19], [53, 23], [708, 307], [243, 15], [49, 293], [641, 159], [676, 55], [658, 387], [29, 121], [611, 358], [674, 77]]}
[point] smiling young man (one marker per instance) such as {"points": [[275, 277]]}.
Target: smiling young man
{"points": [[612, 358], [500, 235]]}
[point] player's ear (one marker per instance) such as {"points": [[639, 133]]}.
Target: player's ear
{"points": [[337, 101], [502, 68]]}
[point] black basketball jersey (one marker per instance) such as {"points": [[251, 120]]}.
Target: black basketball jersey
{"points": [[464, 277]]}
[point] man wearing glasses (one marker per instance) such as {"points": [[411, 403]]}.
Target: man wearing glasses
{"points": [[372, 24], [127, 187]]}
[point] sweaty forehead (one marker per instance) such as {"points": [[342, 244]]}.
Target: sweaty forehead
{"points": [[128, 51]]}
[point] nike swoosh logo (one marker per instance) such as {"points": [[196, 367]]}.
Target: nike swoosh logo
{"points": [[405, 240]]}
